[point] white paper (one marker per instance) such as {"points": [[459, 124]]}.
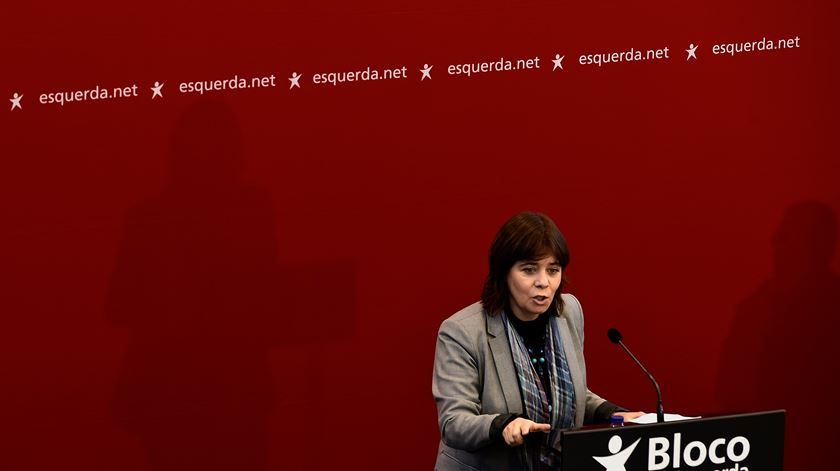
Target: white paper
{"points": [[651, 418]]}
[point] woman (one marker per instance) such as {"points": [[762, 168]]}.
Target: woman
{"points": [[509, 370]]}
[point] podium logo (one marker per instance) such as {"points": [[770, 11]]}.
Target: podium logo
{"points": [[619, 457], [696, 453]]}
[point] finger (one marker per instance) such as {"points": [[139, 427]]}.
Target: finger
{"points": [[541, 427]]}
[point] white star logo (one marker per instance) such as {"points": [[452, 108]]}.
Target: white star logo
{"points": [[15, 99], [558, 62], [619, 457], [692, 51], [427, 72], [295, 79], [156, 90]]}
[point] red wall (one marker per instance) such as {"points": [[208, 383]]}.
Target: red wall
{"points": [[253, 279]]}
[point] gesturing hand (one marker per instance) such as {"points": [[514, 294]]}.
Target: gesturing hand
{"points": [[516, 431]]}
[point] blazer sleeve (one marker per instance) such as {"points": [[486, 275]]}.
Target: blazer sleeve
{"points": [[456, 386]]}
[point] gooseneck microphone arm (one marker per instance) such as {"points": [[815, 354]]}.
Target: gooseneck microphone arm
{"points": [[615, 337]]}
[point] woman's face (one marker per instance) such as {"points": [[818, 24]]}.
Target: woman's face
{"points": [[532, 285]]}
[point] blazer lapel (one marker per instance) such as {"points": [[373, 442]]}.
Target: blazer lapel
{"points": [[503, 360], [573, 359]]}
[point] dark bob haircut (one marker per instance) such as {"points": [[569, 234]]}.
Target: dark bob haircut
{"points": [[526, 236]]}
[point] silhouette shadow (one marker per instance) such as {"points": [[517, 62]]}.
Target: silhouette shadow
{"points": [[780, 351], [199, 286]]}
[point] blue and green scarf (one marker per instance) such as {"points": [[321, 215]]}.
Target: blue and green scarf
{"points": [[560, 412]]}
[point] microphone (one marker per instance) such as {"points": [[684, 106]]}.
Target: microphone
{"points": [[615, 337]]}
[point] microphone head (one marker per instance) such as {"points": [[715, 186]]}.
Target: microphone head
{"points": [[614, 335]]}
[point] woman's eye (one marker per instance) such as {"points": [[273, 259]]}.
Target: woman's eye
{"points": [[554, 271], [529, 269]]}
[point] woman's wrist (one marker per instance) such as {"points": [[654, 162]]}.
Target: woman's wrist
{"points": [[498, 425]]}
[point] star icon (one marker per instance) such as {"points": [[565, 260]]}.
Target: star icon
{"points": [[427, 72], [558, 62], [618, 457], [15, 99], [295, 79], [692, 51], [156, 90]]}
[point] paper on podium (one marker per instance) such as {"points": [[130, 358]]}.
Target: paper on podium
{"points": [[651, 418]]}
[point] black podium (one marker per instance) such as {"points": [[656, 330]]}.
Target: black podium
{"points": [[744, 442]]}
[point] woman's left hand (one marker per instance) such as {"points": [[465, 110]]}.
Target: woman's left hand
{"points": [[628, 416]]}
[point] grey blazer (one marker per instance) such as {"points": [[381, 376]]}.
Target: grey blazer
{"points": [[475, 380]]}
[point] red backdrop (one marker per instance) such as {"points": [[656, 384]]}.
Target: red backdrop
{"points": [[253, 279]]}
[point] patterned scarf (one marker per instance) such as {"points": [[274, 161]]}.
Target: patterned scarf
{"points": [[561, 412]]}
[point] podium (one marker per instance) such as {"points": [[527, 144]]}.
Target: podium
{"points": [[744, 442]]}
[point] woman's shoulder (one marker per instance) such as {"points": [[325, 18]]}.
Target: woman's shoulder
{"points": [[468, 319], [466, 328], [571, 306], [569, 298], [472, 314]]}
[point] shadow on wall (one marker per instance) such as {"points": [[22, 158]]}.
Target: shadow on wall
{"points": [[781, 351], [199, 286]]}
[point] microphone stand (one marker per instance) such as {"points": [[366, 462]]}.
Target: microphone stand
{"points": [[660, 411]]}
